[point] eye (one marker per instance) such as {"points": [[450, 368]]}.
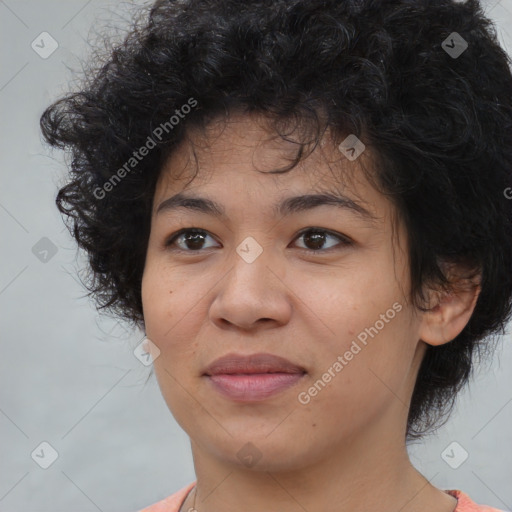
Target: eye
{"points": [[316, 237], [192, 239]]}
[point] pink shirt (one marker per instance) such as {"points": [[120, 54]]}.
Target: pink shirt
{"points": [[173, 502]]}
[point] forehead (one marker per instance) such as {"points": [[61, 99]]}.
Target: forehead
{"points": [[234, 158]]}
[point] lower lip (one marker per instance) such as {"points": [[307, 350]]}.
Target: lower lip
{"points": [[253, 387]]}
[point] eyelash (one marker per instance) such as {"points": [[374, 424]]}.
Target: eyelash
{"points": [[345, 241]]}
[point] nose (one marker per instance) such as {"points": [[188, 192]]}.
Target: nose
{"points": [[252, 295]]}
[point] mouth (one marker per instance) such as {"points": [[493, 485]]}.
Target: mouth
{"points": [[252, 378]]}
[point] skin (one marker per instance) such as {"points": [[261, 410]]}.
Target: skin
{"points": [[344, 450]]}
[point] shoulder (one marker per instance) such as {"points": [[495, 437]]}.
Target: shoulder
{"points": [[172, 503], [466, 504]]}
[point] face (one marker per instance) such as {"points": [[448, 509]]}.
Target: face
{"points": [[321, 284]]}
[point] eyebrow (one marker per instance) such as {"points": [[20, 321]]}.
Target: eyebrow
{"points": [[288, 206]]}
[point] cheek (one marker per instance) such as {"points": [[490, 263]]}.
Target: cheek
{"points": [[171, 324], [350, 300], [371, 367], [164, 302], [354, 383], [365, 321]]}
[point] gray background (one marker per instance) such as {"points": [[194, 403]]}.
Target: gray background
{"points": [[69, 376]]}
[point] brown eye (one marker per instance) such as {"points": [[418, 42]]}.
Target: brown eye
{"points": [[189, 240], [315, 239]]}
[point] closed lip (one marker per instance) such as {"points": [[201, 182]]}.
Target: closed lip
{"points": [[231, 364]]}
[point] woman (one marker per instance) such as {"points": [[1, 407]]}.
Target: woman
{"points": [[304, 206]]}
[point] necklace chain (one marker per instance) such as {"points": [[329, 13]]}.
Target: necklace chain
{"points": [[193, 508]]}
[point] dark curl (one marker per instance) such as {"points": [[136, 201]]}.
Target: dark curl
{"points": [[440, 130]]}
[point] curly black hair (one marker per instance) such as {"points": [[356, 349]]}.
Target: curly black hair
{"points": [[424, 83]]}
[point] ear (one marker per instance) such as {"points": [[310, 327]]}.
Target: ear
{"points": [[450, 313]]}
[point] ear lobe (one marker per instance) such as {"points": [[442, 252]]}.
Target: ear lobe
{"points": [[446, 320]]}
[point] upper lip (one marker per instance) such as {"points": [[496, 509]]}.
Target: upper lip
{"points": [[253, 363]]}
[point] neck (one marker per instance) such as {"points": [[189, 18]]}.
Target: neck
{"points": [[369, 471]]}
